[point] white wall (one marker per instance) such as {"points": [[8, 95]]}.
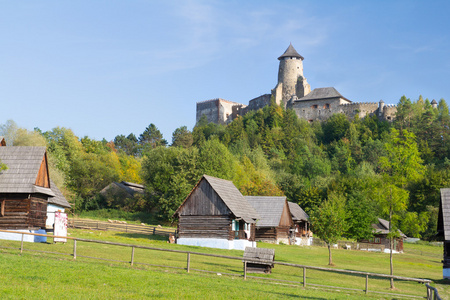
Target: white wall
{"points": [[26, 238], [51, 209], [216, 243]]}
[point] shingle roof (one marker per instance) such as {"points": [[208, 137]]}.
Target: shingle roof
{"points": [[59, 198], [290, 52], [23, 168], [322, 93], [269, 208], [234, 200], [383, 227], [445, 213], [298, 214]]}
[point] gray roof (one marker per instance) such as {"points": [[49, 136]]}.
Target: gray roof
{"points": [[129, 187], [234, 200], [298, 214], [383, 227], [269, 208], [59, 199], [23, 168], [290, 52], [434, 102], [322, 93], [445, 213]]}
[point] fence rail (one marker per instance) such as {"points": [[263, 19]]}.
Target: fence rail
{"points": [[430, 290], [120, 227]]}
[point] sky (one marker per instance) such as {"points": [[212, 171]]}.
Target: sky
{"points": [[105, 68]]}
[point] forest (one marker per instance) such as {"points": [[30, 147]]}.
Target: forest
{"points": [[360, 169]]}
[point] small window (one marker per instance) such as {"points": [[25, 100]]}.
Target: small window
{"points": [[310, 121], [377, 240], [314, 106], [326, 106]]}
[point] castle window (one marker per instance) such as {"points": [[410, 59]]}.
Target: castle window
{"points": [[310, 121], [314, 106], [326, 105]]}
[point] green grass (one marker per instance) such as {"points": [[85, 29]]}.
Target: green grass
{"points": [[122, 281], [116, 214]]}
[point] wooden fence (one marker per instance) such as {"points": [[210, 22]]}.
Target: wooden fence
{"points": [[188, 268], [120, 227], [350, 245]]}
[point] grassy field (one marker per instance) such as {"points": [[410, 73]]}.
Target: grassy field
{"points": [[34, 275]]}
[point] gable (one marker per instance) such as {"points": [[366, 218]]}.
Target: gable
{"points": [[43, 178], [286, 218], [203, 201]]}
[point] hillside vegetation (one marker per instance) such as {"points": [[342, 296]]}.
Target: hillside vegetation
{"points": [[365, 162]]}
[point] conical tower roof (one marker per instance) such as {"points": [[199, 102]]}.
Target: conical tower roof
{"points": [[290, 52]]}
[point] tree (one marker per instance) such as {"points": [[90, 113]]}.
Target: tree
{"points": [[401, 164], [182, 137], [152, 137], [328, 221]]}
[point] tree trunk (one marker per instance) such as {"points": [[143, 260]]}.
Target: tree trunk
{"points": [[330, 261], [391, 245]]}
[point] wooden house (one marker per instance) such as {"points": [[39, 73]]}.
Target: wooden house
{"points": [[444, 229], [275, 224], [24, 189], [55, 204], [302, 231], [215, 214], [380, 238], [115, 193]]}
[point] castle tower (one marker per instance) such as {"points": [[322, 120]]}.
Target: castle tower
{"points": [[434, 104], [290, 77]]}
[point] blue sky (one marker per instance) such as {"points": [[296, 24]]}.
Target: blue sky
{"points": [[104, 68]]}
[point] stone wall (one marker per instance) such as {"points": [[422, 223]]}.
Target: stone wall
{"points": [[312, 110], [361, 109], [217, 111], [257, 103]]}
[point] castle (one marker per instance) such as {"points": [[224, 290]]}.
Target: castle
{"points": [[293, 92]]}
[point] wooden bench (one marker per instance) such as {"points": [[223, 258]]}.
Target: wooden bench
{"points": [[259, 260]]}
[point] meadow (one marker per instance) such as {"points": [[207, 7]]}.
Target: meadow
{"points": [[37, 274]]}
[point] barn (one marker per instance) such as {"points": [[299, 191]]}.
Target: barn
{"points": [[215, 214], [24, 191], [303, 234], [380, 238], [275, 224], [444, 229]]}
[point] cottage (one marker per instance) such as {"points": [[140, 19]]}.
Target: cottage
{"points": [[24, 190], [215, 214], [55, 204], [380, 238], [444, 229], [275, 223], [302, 232], [122, 189]]}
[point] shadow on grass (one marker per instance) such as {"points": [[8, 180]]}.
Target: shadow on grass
{"points": [[153, 237]]}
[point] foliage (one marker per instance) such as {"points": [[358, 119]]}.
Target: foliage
{"points": [[328, 221]]}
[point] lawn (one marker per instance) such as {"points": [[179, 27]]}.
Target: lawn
{"points": [[40, 274]]}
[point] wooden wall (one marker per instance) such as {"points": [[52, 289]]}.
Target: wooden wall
{"points": [[20, 212], [204, 201], [205, 227]]}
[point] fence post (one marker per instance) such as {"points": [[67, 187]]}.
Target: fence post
{"points": [[74, 249], [154, 228], [367, 284], [188, 261], [21, 245], [245, 270], [132, 256], [304, 276]]}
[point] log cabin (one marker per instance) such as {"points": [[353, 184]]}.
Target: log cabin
{"points": [[24, 190], [216, 215], [443, 229], [380, 238], [275, 225], [302, 231]]}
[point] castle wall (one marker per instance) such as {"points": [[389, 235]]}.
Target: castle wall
{"points": [[320, 109], [361, 109], [257, 103], [217, 111]]}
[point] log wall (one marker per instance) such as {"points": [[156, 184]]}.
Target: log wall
{"points": [[21, 212], [205, 227]]}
